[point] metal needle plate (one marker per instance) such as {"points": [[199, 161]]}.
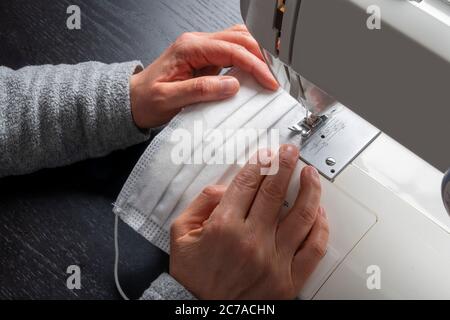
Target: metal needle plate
{"points": [[335, 144]]}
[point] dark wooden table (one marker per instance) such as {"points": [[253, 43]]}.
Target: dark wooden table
{"points": [[61, 217]]}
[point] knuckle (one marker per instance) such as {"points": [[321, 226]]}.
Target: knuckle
{"points": [[215, 228], [237, 48], [158, 95], [183, 47], [308, 215], [239, 27], [286, 162], [187, 36], [248, 39], [219, 225], [272, 191], [179, 49], [202, 87], [318, 250], [247, 179], [158, 92]]}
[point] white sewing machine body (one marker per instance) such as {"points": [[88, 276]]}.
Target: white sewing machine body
{"points": [[387, 220], [390, 232]]}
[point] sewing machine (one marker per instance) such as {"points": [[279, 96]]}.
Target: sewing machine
{"points": [[388, 63]]}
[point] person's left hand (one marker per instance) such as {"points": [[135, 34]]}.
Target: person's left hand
{"points": [[187, 73]]}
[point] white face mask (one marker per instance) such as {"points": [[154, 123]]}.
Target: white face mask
{"points": [[159, 188]]}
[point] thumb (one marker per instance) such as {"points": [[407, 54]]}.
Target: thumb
{"points": [[202, 89], [198, 211]]}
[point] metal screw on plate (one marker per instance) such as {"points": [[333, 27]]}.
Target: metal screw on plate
{"points": [[331, 162]]}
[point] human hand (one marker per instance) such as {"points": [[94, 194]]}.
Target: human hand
{"points": [[187, 73], [232, 244]]}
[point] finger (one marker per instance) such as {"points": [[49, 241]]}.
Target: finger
{"points": [[235, 28], [295, 227], [272, 193], [206, 52], [311, 253], [242, 191], [242, 38], [198, 211], [239, 28], [209, 88]]}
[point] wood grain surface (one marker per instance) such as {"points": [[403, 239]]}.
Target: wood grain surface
{"points": [[61, 217]]}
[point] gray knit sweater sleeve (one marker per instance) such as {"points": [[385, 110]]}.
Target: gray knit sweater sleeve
{"points": [[53, 116], [167, 288]]}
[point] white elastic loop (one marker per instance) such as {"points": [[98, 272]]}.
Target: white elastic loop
{"points": [[116, 259]]}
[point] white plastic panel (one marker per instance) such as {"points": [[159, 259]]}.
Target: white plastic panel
{"points": [[349, 222], [407, 176], [412, 252]]}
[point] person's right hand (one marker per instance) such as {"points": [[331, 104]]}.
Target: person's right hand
{"points": [[233, 244]]}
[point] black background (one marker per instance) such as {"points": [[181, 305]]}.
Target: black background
{"points": [[61, 217]]}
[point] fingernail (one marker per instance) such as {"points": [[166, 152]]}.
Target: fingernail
{"points": [[275, 85], [265, 157], [313, 173], [323, 213], [228, 87]]}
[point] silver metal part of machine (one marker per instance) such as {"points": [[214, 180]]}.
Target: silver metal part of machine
{"points": [[446, 190], [330, 138], [396, 76]]}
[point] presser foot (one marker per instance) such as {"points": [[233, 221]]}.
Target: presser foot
{"points": [[308, 126], [331, 142]]}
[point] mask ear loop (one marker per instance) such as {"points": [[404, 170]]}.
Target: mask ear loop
{"points": [[116, 254]]}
